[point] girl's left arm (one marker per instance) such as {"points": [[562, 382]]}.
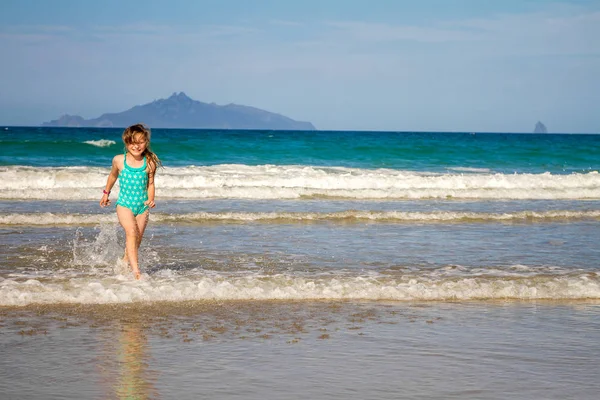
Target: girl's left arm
{"points": [[112, 178], [151, 188]]}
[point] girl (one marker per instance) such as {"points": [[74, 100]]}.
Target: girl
{"points": [[135, 170]]}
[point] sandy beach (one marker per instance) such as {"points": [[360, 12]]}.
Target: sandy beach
{"points": [[290, 350]]}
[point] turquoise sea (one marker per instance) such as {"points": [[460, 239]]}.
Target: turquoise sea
{"points": [[409, 151], [309, 264]]}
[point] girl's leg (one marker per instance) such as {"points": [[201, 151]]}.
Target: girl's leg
{"points": [[129, 224], [142, 222]]}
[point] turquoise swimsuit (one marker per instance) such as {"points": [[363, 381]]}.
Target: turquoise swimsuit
{"points": [[133, 190]]}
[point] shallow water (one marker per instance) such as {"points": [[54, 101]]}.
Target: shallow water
{"points": [[548, 258]]}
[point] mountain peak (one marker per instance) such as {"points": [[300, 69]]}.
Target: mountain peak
{"points": [[180, 111], [540, 128], [179, 96]]}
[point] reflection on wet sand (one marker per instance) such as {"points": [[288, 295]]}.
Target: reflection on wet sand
{"points": [[135, 377], [125, 367]]}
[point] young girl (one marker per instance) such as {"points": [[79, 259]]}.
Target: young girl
{"points": [[135, 170]]}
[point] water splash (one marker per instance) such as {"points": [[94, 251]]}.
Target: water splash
{"points": [[101, 250]]}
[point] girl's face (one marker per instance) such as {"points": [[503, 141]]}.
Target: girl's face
{"points": [[137, 146]]}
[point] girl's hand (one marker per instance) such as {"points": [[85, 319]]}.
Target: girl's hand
{"points": [[105, 201], [150, 203]]}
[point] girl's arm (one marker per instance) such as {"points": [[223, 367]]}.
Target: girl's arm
{"points": [[151, 189], [110, 182]]}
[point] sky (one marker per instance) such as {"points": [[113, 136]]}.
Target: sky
{"points": [[392, 65]]}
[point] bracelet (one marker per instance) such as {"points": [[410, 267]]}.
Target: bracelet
{"points": [[105, 192]]}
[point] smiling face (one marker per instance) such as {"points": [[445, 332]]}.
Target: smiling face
{"points": [[137, 145]]}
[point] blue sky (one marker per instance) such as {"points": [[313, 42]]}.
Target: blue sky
{"points": [[441, 65]]}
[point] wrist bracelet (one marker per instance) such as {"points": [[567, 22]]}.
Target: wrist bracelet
{"points": [[105, 192]]}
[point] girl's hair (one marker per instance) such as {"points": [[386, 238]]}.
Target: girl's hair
{"points": [[129, 135]]}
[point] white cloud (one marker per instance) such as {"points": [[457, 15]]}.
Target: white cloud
{"points": [[285, 23], [376, 32]]}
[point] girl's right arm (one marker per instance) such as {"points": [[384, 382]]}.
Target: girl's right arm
{"points": [[110, 182]]}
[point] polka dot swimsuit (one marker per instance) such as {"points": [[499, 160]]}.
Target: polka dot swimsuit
{"points": [[133, 190]]}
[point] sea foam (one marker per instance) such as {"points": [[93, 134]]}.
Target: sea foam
{"points": [[42, 219], [100, 143], [293, 182], [175, 286]]}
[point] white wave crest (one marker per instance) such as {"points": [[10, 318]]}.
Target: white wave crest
{"points": [[293, 182], [41, 219], [100, 143], [470, 169], [172, 286]]}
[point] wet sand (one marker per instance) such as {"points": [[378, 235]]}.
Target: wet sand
{"points": [[282, 349]]}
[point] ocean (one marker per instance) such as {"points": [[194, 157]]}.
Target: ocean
{"points": [[312, 264]]}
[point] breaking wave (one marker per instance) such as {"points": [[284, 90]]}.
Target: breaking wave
{"points": [[445, 284], [41, 219], [293, 182], [100, 143]]}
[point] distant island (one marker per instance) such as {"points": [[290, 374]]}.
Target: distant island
{"points": [[540, 128], [180, 111]]}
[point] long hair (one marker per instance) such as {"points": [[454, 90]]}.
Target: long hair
{"points": [[129, 135]]}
